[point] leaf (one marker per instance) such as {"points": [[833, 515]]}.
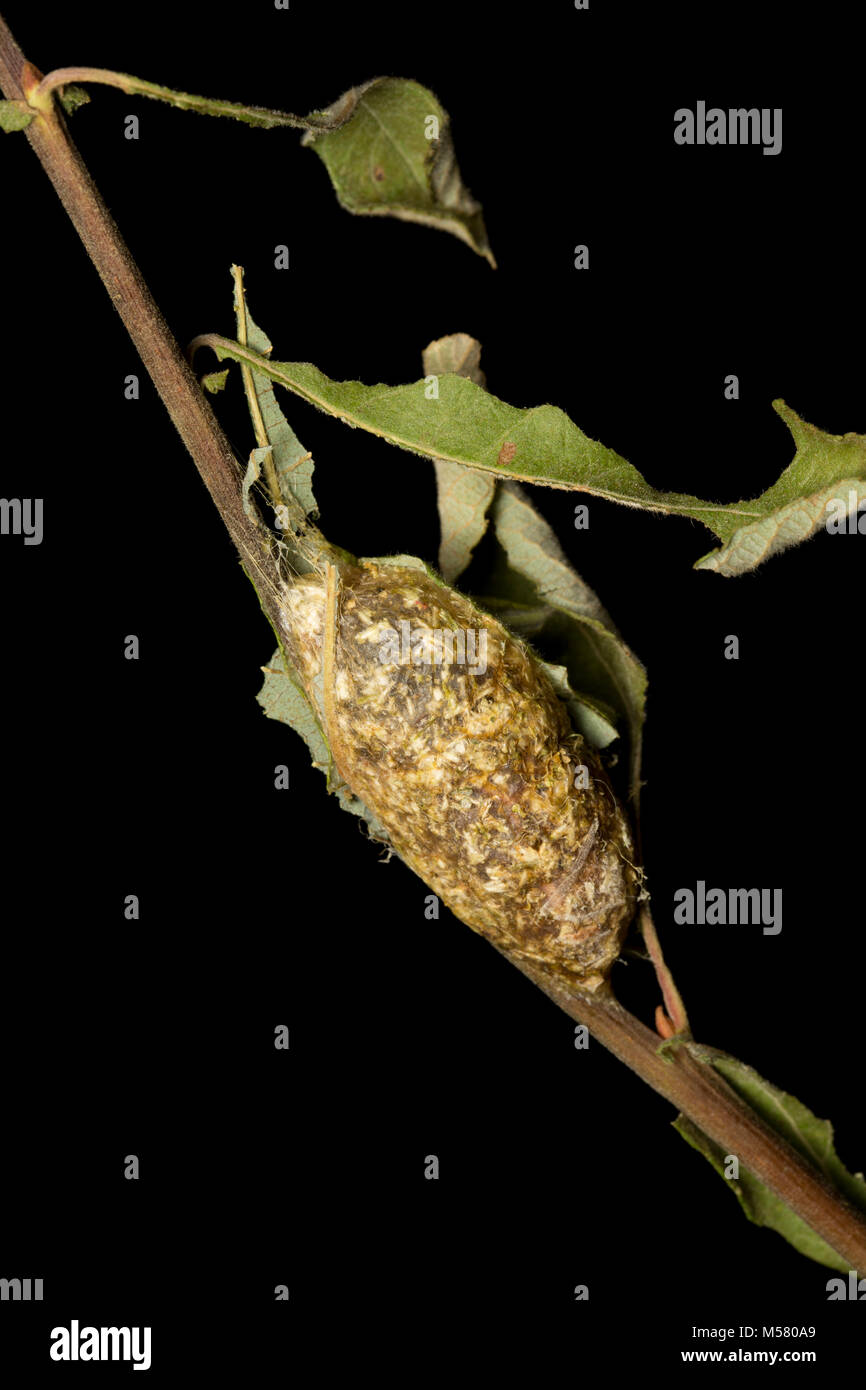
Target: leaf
{"points": [[604, 674], [826, 467], [588, 716], [214, 382], [527, 619], [457, 353], [257, 461], [465, 497], [811, 1137], [282, 697], [393, 156], [534, 551], [790, 1118], [15, 115], [386, 145], [292, 463], [469, 426], [463, 494], [72, 96]]}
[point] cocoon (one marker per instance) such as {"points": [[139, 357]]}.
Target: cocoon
{"points": [[469, 764]]}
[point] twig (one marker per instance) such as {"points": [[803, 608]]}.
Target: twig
{"points": [[706, 1098]]}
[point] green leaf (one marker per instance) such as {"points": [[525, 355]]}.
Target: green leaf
{"points": [[463, 494], [214, 382], [252, 477], [811, 1137], [281, 457], [530, 550], [588, 716], [603, 672], [534, 551], [15, 115], [469, 426], [282, 697], [293, 464], [395, 158], [826, 469], [386, 145], [72, 96]]}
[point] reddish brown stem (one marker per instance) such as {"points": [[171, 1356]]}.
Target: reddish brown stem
{"points": [[707, 1099]]}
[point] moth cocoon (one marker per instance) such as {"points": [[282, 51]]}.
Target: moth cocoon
{"points": [[471, 764]]}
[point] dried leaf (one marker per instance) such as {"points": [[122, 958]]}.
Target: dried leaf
{"points": [[567, 617], [463, 494]]}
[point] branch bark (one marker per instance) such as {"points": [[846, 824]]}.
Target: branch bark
{"points": [[693, 1087], [707, 1099]]}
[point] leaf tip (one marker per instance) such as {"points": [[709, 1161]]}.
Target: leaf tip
{"points": [[214, 382]]}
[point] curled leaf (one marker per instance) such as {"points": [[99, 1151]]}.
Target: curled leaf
{"points": [[292, 463], [391, 154], [529, 549], [386, 144], [463, 494], [827, 474], [603, 672], [590, 717]]}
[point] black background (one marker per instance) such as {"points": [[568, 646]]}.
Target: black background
{"points": [[259, 907]]}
